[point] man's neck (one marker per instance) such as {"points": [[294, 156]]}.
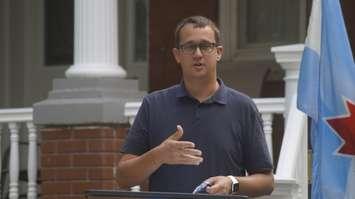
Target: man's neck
{"points": [[201, 89]]}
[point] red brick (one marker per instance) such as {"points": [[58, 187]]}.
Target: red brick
{"points": [[74, 146], [82, 196], [71, 174], [87, 160], [92, 133], [56, 134], [81, 187], [49, 196], [56, 160], [110, 184], [102, 173], [55, 188], [48, 147], [48, 174], [122, 131], [108, 145]]}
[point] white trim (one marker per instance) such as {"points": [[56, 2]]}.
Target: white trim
{"points": [[16, 115], [270, 105], [135, 69]]}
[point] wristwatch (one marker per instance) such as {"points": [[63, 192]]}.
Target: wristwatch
{"points": [[235, 184]]}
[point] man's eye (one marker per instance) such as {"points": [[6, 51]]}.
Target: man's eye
{"points": [[190, 47], [205, 46]]}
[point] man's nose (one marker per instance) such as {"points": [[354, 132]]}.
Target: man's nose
{"points": [[197, 51]]}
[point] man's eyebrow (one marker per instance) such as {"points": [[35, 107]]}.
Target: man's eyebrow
{"points": [[197, 43]]}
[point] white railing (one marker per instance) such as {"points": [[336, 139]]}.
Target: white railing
{"points": [[291, 181], [12, 120], [293, 163]]}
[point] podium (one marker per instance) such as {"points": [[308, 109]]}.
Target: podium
{"points": [[119, 194]]}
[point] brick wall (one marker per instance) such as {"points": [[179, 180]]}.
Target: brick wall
{"points": [[74, 159]]}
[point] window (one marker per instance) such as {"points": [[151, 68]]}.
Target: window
{"points": [[134, 18], [268, 22], [140, 31], [251, 27], [59, 32]]}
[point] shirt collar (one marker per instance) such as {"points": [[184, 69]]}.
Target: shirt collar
{"points": [[220, 96]]}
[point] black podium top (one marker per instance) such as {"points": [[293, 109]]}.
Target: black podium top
{"points": [[96, 194]]}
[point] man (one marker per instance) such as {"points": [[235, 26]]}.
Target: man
{"points": [[197, 131]]}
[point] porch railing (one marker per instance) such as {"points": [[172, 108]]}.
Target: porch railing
{"points": [[12, 121], [290, 179]]}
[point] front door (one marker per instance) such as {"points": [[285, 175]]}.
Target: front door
{"points": [[163, 17]]}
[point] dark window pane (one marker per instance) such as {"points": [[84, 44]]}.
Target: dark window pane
{"points": [[59, 31], [140, 39], [270, 22]]}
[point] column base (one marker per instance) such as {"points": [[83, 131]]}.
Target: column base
{"points": [[86, 101], [95, 71]]}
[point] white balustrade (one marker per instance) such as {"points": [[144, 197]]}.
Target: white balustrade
{"points": [[32, 165], [268, 107], [14, 160], [14, 119]]}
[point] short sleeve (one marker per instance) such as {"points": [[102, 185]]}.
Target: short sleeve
{"points": [[256, 154], [137, 140]]}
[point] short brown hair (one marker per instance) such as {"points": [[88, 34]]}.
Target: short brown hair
{"points": [[198, 22]]}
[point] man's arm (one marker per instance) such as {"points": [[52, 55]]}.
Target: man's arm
{"points": [[254, 185], [134, 170]]}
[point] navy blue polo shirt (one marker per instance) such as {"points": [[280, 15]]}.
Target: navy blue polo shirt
{"points": [[227, 128]]}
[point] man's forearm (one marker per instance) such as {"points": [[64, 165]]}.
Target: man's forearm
{"points": [[134, 170], [256, 184]]}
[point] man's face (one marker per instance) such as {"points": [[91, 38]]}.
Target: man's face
{"points": [[198, 62]]}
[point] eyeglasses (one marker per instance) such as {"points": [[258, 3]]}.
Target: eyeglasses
{"points": [[205, 48]]}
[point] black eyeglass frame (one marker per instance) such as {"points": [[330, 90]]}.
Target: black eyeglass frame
{"points": [[204, 47]]}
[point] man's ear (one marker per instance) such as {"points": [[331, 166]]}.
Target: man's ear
{"points": [[219, 52], [176, 54]]}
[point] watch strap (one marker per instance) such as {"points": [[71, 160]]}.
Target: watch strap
{"points": [[235, 184]]}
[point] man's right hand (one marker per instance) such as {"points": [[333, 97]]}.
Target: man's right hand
{"points": [[173, 151]]}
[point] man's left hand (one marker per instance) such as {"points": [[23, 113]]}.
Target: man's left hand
{"points": [[219, 185]]}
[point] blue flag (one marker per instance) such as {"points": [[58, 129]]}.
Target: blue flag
{"points": [[326, 93]]}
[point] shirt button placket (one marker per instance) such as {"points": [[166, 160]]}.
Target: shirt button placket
{"points": [[197, 111]]}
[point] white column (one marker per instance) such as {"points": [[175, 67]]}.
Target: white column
{"points": [[95, 40], [289, 57], [32, 161], [14, 160]]}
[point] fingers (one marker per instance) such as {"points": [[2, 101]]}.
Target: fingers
{"points": [[193, 152], [219, 185], [175, 151], [190, 160], [178, 133]]}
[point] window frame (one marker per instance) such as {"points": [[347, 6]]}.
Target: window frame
{"points": [[229, 20]]}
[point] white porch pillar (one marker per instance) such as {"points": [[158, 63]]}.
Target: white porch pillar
{"points": [[95, 86], [95, 40], [289, 57]]}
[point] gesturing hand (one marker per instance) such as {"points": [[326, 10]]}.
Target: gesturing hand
{"points": [[173, 151]]}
